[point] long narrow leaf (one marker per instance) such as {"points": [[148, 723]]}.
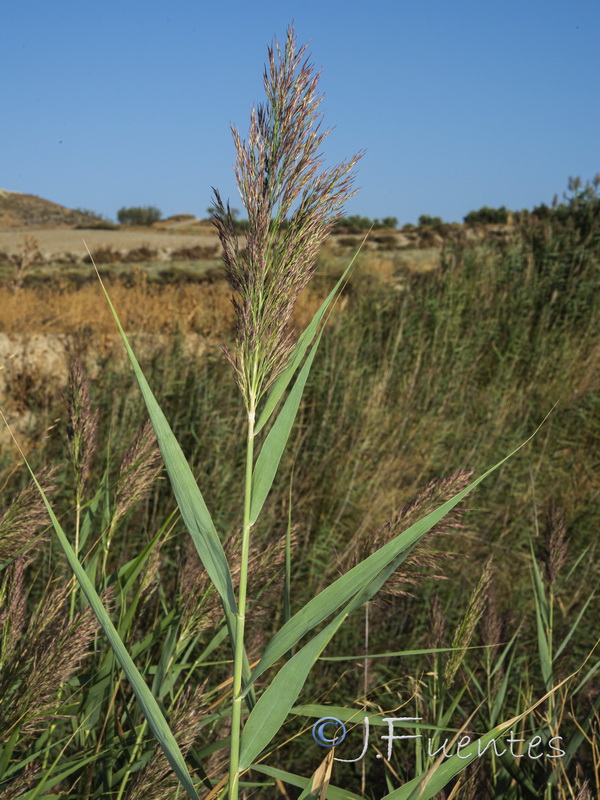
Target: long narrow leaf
{"points": [[274, 445], [276, 702], [333, 792], [302, 346], [542, 623], [273, 706], [357, 715], [189, 498], [193, 509], [268, 460], [404, 653], [344, 588], [148, 704], [574, 626], [49, 780]]}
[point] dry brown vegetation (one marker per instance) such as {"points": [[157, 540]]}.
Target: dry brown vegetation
{"points": [[143, 307], [203, 308], [41, 327]]}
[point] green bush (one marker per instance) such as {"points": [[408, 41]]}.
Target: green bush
{"points": [[434, 222], [139, 215], [355, 223], [487, 215]]}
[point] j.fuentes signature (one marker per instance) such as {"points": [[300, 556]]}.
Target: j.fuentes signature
{"points": [[331, 731]]}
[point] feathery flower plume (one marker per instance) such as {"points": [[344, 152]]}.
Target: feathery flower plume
{"points": [[437, 631], [24, 782], [139, 469], [82, 425], [464, 632], [26, 515], [291, 202], [156, 781], [42, 659], [410, 572], [13, 608], [554, 544]]}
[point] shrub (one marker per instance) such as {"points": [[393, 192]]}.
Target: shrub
{"points": [[487, 215], [196, 253], [355, 223], [106, 255], [386, 241], [94, 221], [434, 222], [139, 215], [142, 253], [574, 223], [348, 241]]}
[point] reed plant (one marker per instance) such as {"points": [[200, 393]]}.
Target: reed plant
{"points": [[167, 634]]}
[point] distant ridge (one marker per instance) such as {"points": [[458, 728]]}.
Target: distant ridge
{"points": [[19, 210]]}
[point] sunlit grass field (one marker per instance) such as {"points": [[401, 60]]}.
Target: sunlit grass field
{"points": [[439, 376]]}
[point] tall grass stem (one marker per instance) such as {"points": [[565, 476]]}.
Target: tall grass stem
{"points": [[236, 712]]}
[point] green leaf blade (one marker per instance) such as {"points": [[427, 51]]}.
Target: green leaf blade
{"points": [[145, 698], [271, 452], [302, 345], [333, 792], [356, 579], [273, 706], [189, 498]]}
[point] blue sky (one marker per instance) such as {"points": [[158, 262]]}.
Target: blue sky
{"points": [[458, 105]]}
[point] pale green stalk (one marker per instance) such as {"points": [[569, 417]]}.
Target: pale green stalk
{"points": [[77, 528], [236, 711], [287, 587], [72, 601], [134, 754]]}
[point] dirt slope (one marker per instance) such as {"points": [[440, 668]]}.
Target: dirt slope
{"points": [[28, 211]]}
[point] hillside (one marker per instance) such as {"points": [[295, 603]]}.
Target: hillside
{"points": [[28, 211]]}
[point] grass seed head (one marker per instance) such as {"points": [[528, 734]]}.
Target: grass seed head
{"points": [[42, 659], [492, 633], [82, 425], [291, 201], [156, 781], [21, 522], [464, 632], [555, 543], [139, 469], [13, 608], [423, 556], [437, 632], [24, 782]]}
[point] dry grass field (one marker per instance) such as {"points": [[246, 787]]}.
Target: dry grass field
{"points": [[57, 242]]}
